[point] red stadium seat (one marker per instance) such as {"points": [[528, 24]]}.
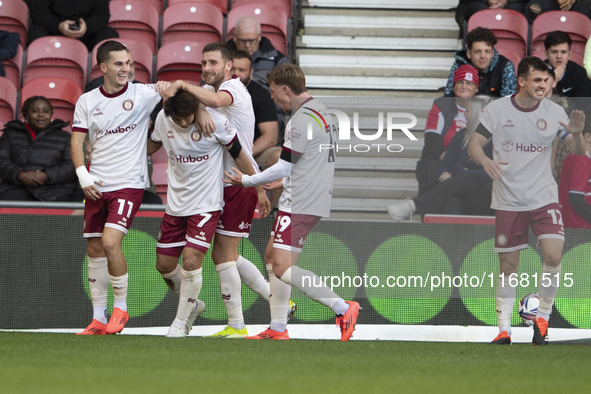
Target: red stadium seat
{"points": [[14, 67], [159, 178], [514, 57], [510, 27], [143, 58], [192, 21], [575, 24], [60, 57], [285, 5], [158, 4], [221, 4], [7, 101], [62, 94], [135, 20], [273, 22], [14, 17], [180, 60]]}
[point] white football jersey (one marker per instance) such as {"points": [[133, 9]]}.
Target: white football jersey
{"points": [[241, 115], [194, 164], [308, 188], [117, 127], [523, 138]]}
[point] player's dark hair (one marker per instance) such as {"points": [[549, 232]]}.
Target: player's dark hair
{"points": [[31, 100], [221, 48], [243, 55], [103, 53], [289, 75], [529, 64], [480, 34], [557, 37], [182, 105]]}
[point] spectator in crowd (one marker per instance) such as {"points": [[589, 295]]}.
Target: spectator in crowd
{"points": [[35, 163], [571, 79], [467, 8], [8, 46], [574, 190], [84, 20], [464, 188], [496, 73], [446, 118], [537, 7]]}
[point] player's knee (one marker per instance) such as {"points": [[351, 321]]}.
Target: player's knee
{"points": [[110, 245], [553, 260]]}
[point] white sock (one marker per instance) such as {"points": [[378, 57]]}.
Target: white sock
{"points": [[173, 279], [504, 302], [548, 293], [119, 285], [98, 283], [253, 278], [190, 288], [230, 287], [313, 287], [278, 301]]}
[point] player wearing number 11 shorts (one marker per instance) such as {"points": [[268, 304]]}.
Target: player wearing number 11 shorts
{"points": [[524, 194]]}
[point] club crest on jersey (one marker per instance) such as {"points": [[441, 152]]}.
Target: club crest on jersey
{"points": [[541, 123], [128, 105], [502, 239], [196, 136]]}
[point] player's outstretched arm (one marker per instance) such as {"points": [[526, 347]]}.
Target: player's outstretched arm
{"points": [[575, 128]]}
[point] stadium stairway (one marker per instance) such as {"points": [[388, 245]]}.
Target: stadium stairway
{"points": [[370, 57]]}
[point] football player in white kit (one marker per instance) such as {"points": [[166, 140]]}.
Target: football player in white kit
{"points": [[115, 118], [524, 192], [195, 199], [230, 97], [306, 170]]}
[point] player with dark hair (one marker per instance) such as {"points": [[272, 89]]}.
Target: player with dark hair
{"points": [[524, 194], [306, 173], [229, 96], [115, 118], [194, 198], [496, 72]]}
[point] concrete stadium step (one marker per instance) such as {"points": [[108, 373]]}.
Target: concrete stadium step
{"points": [[384, 4]]}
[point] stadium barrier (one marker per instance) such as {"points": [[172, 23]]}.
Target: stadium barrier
{"points": [[401, 273]]}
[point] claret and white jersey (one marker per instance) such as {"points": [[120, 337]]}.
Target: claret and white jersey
{"points": [[523, 138], [194, 164], [241, 115], [308, 188], [117, 126]]}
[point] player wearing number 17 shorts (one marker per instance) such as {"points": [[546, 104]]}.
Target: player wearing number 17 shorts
{"points": [[524, 194], [306, 172], [115, 119]]}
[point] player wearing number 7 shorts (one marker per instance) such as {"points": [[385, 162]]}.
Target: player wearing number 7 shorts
{"points": [[306, 172], [194, 198], [115, 118], [524, 194]]}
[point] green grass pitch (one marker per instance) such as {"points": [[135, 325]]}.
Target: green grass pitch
{"points": [[65, 363]]}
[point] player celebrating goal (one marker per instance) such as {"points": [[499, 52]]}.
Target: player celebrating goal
{"points": [[194, 197], [115, 117], [306, 197], [524, 192]]}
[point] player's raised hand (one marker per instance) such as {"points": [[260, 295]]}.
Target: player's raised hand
{"points": [[493, 168], [576, 122], [161, 87], [233, 179], [170, 90], [204, 122]]}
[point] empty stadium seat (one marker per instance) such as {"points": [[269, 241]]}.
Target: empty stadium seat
{"points": [[14, 67], [135, 20], [180, 60], [192, 21], [575, 24], [14, 17], [221, 4], [60, 57], [143, 58], [285, 5], [273, 22], [158, 4], [62, 93], [514, 57], [7, 102], [510, 27]]}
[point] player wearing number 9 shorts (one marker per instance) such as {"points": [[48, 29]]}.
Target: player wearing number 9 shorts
{"points": [[522, 128], [306, 172]]}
